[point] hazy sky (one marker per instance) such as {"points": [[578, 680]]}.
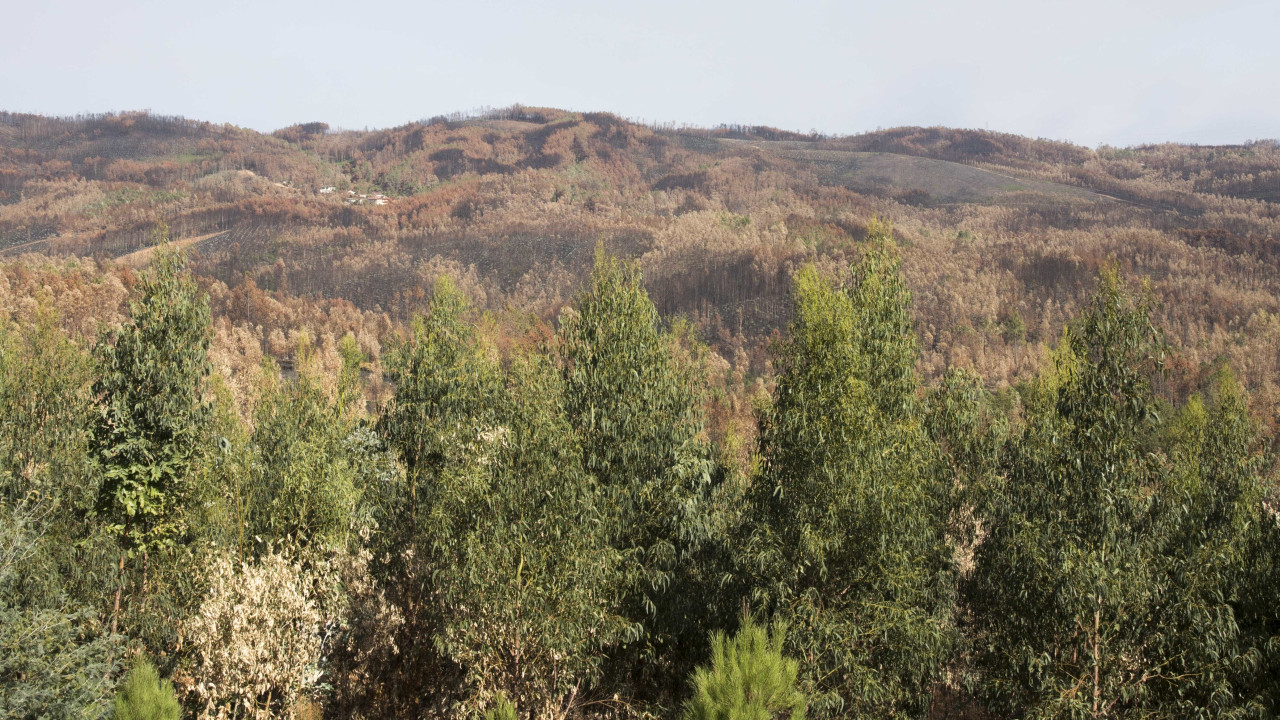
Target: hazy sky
{"points": [[1090, 72]]}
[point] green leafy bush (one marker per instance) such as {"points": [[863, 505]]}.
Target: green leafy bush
{"points": [[748, 679], [144, 696]]}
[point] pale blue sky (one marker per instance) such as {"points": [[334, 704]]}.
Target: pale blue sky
{"points": [[1086, 71]]}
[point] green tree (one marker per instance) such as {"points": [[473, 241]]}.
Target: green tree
{"points": [[639, 418], [1209, 514], [1259, 613], [144, 696], [1064, 583], [961, 417], [56, 659], [501, 709], [149, 431], [149, 428], [748, 678], [448, 386], [1014, 328], [1107, 582], [45, 411], [307, 477], [884, 339], [848, 540], [45, 415], [526, 580]]}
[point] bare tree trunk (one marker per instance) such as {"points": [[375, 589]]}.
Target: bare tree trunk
{"points": [[115, 611], [1097, 660]]}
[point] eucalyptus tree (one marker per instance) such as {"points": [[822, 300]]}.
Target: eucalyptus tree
{"points": [[448, 390], [638, 415], [1259, 612], [310, 471], [526, 581], [848, 544], [1211, 516], [1110, 576], [149, 431], [447, 384]]}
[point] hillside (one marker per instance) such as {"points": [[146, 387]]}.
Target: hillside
{"points": [[1002, 235], [555, 416]]}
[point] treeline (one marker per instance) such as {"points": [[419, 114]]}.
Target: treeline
{"points": [[540, 523]]}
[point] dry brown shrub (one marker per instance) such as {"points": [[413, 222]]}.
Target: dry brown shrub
{"points": [[259, 635]]}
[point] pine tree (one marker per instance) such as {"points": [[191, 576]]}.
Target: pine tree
{"points": [[144, 696], [748, 678], [501, 709]]}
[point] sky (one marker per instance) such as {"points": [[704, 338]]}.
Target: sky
{"points": [[1117, 73]]}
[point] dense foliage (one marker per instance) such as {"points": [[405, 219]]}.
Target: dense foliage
{"points": [[526, 519]]}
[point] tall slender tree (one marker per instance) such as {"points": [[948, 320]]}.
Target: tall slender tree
{"points": [[1063, 584], [149, 430], [848, 543], [1210, 515], [639, 419], [309, 475], [448, 389]]}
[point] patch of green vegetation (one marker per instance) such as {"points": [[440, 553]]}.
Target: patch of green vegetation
{"points": [[190, 158], [167, 196], [399, 180], [577, 172], [734, 221], [116, 198], [124, 196]]}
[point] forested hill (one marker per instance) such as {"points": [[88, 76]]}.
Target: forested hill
{"points": [[552, 416], [1002, 235]]}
